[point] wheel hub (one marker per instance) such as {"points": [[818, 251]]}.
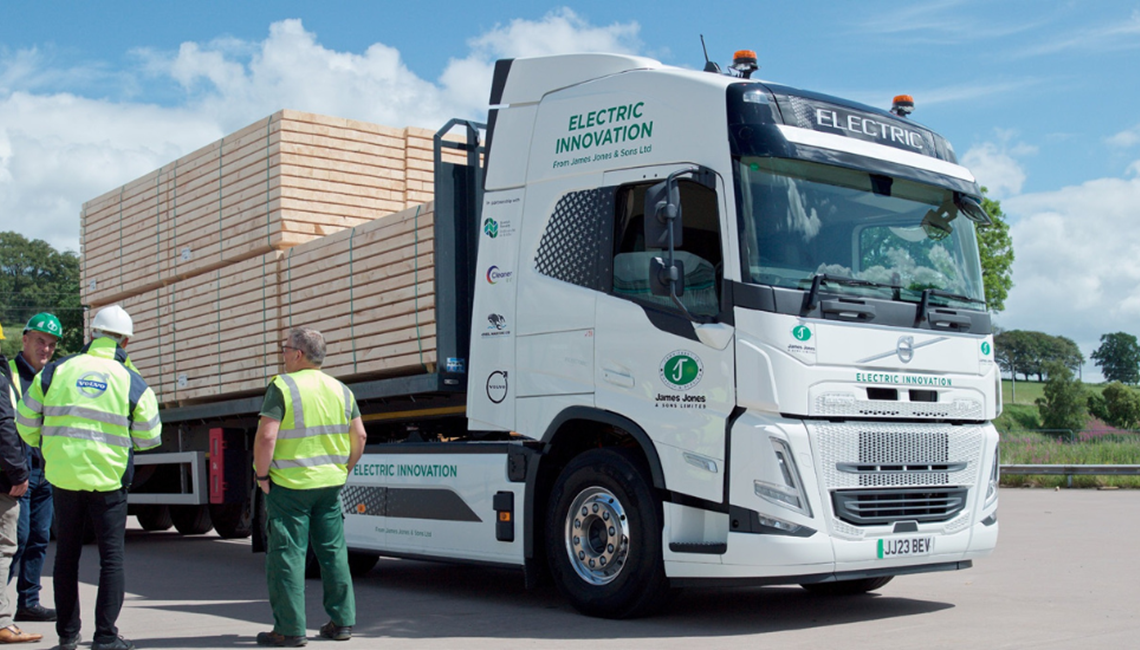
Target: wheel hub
{"points": [[597, 535]]}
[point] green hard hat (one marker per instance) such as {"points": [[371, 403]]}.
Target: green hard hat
{"points": [[46, 323]]}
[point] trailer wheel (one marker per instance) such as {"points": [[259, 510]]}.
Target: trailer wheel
{"points": [[191, 520], [154, 517], [232, 520], [603, 537], [847, 587]]}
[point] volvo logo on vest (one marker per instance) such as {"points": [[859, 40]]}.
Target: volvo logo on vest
{"points": [[92, 384], [905, 348]]}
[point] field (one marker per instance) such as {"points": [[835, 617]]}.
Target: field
{"points": [[1022, 442]]}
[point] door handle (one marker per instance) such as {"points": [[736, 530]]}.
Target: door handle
{"points": [[618, 377]]}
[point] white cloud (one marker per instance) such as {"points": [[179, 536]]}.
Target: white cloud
{"points": [[58, 150], [1077, 272], [1126, 138], [996, 168]]}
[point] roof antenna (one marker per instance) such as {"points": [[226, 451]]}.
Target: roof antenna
{"points": [[710, 66]]}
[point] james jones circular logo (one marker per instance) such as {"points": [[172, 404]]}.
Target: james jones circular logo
{"points": [[801, 333], [681, 370], [986, 348]]}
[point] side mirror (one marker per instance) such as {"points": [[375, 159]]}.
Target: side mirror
{"points": [[973, 210], [662, 214], [662, 277]]}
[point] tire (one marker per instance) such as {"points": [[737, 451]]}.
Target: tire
{"points": [[360, 564], [847, 587], [191, 520], [603, 537], [232, 520], [154, 517]]}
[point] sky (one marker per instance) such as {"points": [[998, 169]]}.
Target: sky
{"points": [[1040, 99]]}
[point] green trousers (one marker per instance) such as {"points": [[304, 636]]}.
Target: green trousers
{"points": [[294, 518]]}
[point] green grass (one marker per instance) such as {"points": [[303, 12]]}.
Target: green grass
{"points": [[1022, 445], [1028, 448]]}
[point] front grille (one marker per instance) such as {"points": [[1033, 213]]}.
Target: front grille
{"points": [[883, 507], [884, 455]]}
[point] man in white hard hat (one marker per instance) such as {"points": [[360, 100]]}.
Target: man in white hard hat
{"points": [[96, 411]]}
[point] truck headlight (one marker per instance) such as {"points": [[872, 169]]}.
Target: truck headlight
{"points": [[995, 478], [791, 493]]}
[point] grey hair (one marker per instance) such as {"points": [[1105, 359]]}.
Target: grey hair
{"points": [[310, 342]]}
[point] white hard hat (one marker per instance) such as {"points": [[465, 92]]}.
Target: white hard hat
{"points": [[113, 320]]}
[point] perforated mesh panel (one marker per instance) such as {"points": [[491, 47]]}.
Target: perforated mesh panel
{"points": [[577, 243], [364, 500], [885, 443]]}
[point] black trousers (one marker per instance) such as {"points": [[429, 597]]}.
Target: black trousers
{"points": [[108, 513]]}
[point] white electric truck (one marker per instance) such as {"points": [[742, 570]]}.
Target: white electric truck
{"points": [[699, 330]]}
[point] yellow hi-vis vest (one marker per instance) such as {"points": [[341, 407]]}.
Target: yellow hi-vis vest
{"points": [[17, 388], [313, 440], [89, 410]]}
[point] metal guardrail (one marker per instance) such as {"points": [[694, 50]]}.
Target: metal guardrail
{"points": [[1069, 471]]}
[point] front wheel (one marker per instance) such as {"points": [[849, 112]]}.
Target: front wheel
{"points": [[847, 587], [603, 535]]}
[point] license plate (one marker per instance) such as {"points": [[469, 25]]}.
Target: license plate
{"points": [[905, 547]]}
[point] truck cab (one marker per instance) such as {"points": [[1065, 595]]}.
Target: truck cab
{"points": [[723, 331]]}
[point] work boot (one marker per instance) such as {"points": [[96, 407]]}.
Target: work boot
{"points": [[118, 643], [13, 634], [336, 632], [69, 642], [279, 640], [35, 612]]}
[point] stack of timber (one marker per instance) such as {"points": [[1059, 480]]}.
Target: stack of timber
{"points": [[282, 181], [370, 291], [298, 219]]}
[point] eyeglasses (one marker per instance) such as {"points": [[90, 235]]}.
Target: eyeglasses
{"points": [[289, 347]]}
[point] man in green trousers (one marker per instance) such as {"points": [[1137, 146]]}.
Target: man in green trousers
{"points": [[309, 438]]}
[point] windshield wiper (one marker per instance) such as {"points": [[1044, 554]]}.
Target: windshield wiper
{"points": [[927, 293], [818, 279]]}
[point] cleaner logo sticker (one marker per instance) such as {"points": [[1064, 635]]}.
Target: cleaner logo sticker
{"points": [[495, 275], [681, 370]]}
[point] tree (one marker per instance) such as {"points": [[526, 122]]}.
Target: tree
{"points": [[995, 247], [1119, 357], [34, 277], [1121, 405], [1027, 352], [1064, 405]]}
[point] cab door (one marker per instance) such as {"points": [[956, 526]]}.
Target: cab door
{"points": [[673, 373]]}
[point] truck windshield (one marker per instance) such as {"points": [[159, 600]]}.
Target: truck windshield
{"points": [[802, 219]]}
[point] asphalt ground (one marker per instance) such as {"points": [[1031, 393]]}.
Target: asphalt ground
{"points": [[1066, 574]]}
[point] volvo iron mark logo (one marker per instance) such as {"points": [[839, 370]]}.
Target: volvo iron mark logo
{"points": [[92, 384], [905, 348], [497, 386]]}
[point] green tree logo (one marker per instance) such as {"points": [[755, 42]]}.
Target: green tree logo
{"points": [[491, 227], [681, 370], [801, 332]]}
